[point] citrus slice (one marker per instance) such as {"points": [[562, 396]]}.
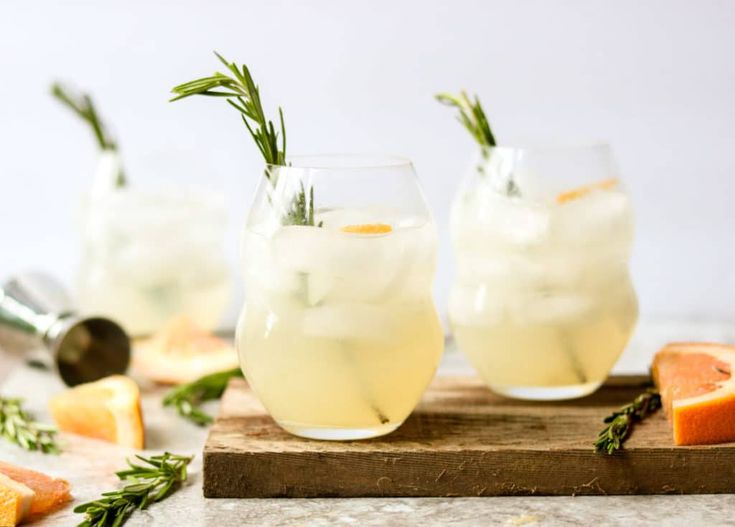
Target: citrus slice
{"points": [[698, 391], [580, 192], [49, 493], [15, 501], [108, 409], [182, 352], [367, 228]]}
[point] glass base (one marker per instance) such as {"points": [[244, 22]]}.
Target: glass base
{"points": [[337, 434], [547, 393]]}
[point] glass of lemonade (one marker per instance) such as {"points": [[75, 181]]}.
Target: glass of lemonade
{"points": [[339, 335], [542, 303], [150, 255]]}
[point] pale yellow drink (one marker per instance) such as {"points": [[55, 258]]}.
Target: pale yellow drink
{"points": [[543, 304], [339, 336]]}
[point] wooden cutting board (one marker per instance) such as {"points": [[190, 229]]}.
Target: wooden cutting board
{"points": [[462, 440]]}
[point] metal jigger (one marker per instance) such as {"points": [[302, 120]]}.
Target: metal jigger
{"points": [[34, 309]]}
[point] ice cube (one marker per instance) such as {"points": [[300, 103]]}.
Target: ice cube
{"points": [[489, 217], [553, 309], [341, 265], [601, 217], [346, 320], [475, 305]]}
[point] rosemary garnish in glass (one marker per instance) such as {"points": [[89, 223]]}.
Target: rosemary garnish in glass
{"points": [[241, 92], [19, 427], [473, 118], [83, 106], [148, 483], [187, 398], [620, 423]]}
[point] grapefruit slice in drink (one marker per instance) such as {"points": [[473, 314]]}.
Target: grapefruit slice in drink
{"points": [[698, 391], [580, 192]]}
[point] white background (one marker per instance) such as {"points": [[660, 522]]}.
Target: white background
{"points": [[656, 79]]}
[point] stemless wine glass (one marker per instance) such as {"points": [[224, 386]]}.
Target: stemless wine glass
{"points": [[151, 254], [339, 335], [542, 303]]}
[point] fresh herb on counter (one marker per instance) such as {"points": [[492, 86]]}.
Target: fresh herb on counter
{"points": [[241, 92], [188, 397], [82, 105], [148, 483], [18, 426], [620, 423]]}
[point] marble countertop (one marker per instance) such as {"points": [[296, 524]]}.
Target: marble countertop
{"points": [[90, 465]]}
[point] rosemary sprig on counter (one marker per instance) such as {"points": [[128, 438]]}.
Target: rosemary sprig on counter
{"points": [[620, 423], [18, 426], [241, 92], [148, 483], [187, 398], [83, 106]]}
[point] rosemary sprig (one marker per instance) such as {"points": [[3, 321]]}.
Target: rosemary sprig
{"points": [[18, 426], [620, 423], [473, 118], [241, 92], [82, 105], [153, 481], [186, 398], [471, 115]]}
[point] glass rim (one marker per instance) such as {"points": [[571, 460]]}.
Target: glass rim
{"points": [[549, 146], [343, 161]]}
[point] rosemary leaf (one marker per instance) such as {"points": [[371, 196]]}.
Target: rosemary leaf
{"points": [[620, 424], [471, 115], [83, 106], [187, 397], [148, 483], [239, 89], [18, 426]]}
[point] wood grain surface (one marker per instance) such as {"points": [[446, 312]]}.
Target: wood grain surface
{"points": [[462, 440]]}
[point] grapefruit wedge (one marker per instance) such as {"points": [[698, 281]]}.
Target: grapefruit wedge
{"points": [[698, 391], [108, 409], [183, 352]]}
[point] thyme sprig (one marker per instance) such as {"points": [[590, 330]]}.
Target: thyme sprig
{"points": [[620, 423], [187, 398], [82, 105], [19, 427], [147, 483], [243, 94]]}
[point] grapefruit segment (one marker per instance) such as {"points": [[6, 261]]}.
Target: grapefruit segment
{"points": [[49, 493], [367, 228], [108, 409], [183, 352], [698, 391], [580, 192]]}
